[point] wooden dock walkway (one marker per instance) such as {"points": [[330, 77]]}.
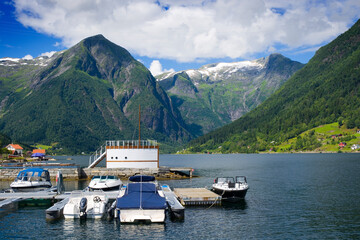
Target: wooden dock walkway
{"points": [[197, 196]]}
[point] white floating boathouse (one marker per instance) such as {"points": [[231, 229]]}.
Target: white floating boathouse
{"points": [[127, 154]]}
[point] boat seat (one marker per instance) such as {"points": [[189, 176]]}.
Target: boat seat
{"points": [[231, 185]]}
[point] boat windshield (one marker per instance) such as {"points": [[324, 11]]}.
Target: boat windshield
{"points": [[225, 180], [33, 176], [21, 176], [241, 179]]}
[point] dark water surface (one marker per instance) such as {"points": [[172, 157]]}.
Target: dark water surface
{"points": [[291, 196]]}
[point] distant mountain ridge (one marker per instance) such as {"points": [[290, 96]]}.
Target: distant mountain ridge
{"points": [[325, 91], [80, 97], [216, 94]]}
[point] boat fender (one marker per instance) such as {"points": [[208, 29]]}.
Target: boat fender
{"points": [[97, 199], [83, 206]]}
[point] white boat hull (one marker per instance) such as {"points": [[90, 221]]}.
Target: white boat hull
{"points": [[27, 186], [142, 215]]}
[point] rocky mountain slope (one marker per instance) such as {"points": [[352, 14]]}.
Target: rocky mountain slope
{"points": [[217, 94], [82, 96]]}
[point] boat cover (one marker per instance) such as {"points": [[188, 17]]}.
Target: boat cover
{"points": [[142, 178], [33, 171], [141, 196]]}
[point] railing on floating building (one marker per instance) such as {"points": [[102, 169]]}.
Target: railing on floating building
{"points": [[131, 144]]}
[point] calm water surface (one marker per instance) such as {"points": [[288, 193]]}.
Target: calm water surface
{"points": [[291, 196]]}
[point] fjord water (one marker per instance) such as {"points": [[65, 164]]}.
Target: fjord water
{"points": [[311, 196]]}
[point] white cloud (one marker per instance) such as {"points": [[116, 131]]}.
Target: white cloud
{"points": [[156, 68], [188, 30], [28, 57], [48, 54]]}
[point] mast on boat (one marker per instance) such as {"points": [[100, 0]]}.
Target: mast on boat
{"points": [[139, 125]]}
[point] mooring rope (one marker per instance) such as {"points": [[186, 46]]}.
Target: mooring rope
{"points": [[216, 200]]}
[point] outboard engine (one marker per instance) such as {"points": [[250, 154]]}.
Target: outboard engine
{"points": [[83, 206], [60, 183]]}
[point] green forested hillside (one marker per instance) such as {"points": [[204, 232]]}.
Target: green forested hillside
{"points": [[86, 95], [4, 140], [326, 90]]}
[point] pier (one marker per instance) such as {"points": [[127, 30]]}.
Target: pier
{"points": [[77, 173]]}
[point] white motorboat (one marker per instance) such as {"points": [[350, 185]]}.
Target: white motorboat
{"points": [[105, 183], [141, 201], [31, 179], [86, 205], [229, 189]]}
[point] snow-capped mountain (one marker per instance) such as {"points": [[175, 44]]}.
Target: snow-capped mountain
{"points": [[219, 93], [219, 71], [39, 61]]}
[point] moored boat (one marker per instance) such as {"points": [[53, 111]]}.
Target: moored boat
{"points": [[141, 201], [105, 183], [31, 179], [229, 189], [86, 205]]}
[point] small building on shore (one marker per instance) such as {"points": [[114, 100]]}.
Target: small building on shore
{"points": [[355, 147], [42, 151], [15, 149]]}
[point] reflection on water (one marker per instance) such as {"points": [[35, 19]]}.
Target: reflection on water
{"points": [[142, 231], [240, 205], [106, 229]]}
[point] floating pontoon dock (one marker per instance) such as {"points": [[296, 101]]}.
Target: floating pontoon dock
{"points": [[185, 196], [197, 196], [8, 199], [177, 210]]}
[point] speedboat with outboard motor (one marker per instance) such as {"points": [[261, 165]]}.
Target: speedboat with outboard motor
{"points": [[141, 201], [231, 190], [31, 179], [105, 183], [86, 205]]}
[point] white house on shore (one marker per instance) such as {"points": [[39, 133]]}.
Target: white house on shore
{"points": [[15, 149], [355, 147]]}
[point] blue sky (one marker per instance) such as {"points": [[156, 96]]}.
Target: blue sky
{"points": [[178, 35]]}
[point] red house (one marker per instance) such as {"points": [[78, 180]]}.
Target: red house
{"points": [[342, 144]]}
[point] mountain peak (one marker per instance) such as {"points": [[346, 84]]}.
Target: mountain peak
{"points": [[96, 39], [99, 57], [98, 36]]}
